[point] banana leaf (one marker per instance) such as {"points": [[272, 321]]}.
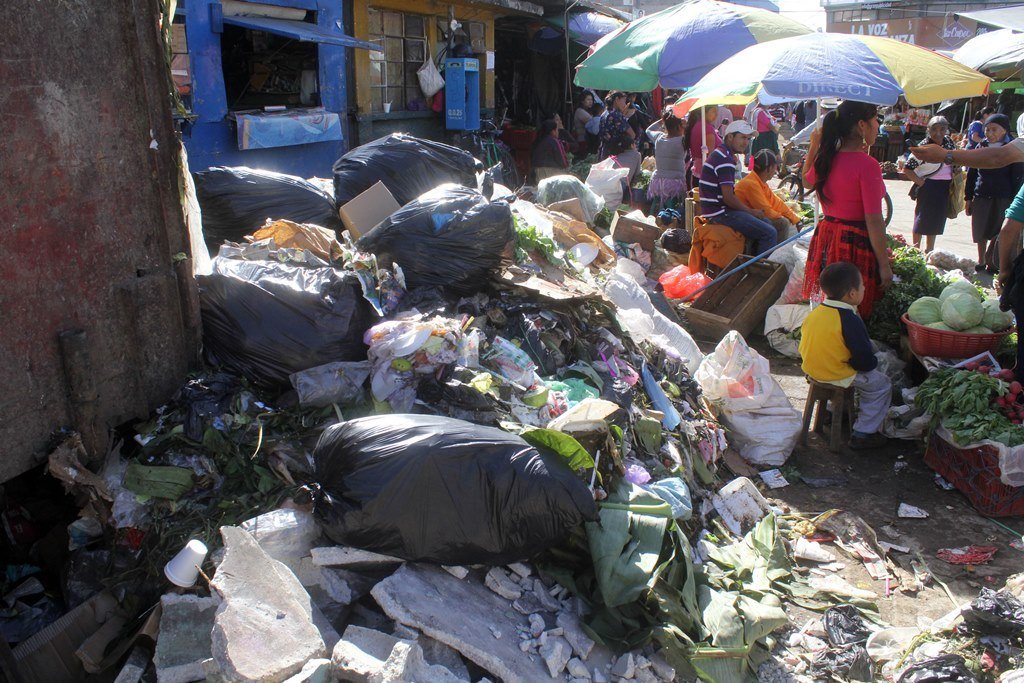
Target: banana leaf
{"points": [[627, 542], [574, 454], [736, 623]]}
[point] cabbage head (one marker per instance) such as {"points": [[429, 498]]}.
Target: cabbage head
{"points": [[961, 311], [995, 319], [978, 329], [960, 287], [927, 309], [940, 326]]}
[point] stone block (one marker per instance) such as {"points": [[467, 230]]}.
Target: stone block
{"points": [[184, 641]]}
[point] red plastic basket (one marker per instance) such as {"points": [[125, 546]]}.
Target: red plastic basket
{"points": [[975, 472], [519, 138], [928, 341]]}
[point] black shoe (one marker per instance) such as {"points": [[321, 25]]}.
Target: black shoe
{"points": [[992, 270], [980, 268], [863, 443]]}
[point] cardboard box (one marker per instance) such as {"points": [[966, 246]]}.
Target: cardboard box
{"points": [[570, 207], [367, 210], [632, 231]]}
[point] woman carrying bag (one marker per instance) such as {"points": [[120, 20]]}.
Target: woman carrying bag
{"points": [[931, 187]]}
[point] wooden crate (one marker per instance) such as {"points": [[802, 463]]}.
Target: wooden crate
{"points": [[634, 232], [738, 302]]}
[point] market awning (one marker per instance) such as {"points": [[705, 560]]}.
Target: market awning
{"points": [[585, 28], [1002, 17], [300, 30]]}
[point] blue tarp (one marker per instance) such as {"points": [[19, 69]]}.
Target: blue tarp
{"points": [[261, 130]]}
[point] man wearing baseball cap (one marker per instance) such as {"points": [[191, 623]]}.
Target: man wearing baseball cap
{"points": [[719, 203]]}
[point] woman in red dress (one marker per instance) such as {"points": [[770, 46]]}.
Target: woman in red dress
{"points": [[849, 185]]}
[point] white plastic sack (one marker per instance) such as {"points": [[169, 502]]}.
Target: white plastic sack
{"points": [[763, 425], [780, 322], [431, 80], [606, 181], [905, 422], [287, 535], [644, 322], [794, 257]]}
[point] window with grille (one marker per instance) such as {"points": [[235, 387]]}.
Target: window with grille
{"points": [[393, 71]]}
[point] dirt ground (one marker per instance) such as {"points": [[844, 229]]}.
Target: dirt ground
{"points": [[874, 490]]}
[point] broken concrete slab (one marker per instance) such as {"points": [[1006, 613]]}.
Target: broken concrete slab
{"points": [[499, 581], [263, 630], [315, 671], [367, 656], [543, 594], [577, 669], [457, 571], [662, 669], [624, 667], [528, 604], [351, 558], [184, 642], [325, 627], [135, 666], [523, 570], [582, 645], [556, 654], [423, 597]]}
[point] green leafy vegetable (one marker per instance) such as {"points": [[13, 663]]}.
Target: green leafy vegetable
{"points": [[915, 281], [575, 455]]}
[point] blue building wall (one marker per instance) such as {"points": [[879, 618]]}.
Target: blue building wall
{"points": [[211, 140]]}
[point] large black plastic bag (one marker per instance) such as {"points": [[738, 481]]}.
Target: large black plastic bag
{"points": [[436, 489], [237, 201], [408, 167], [449, 237], [266, 320]]}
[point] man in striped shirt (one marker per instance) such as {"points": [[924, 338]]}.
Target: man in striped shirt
{"points": [[719, 203]]}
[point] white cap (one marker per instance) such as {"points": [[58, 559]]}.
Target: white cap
{"points": [[830, 102], [739, 126]]}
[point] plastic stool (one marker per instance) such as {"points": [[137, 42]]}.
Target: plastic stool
{"points": [[820, 394]]}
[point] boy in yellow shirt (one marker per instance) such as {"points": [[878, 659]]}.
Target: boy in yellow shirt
{"points": [[836, 349]]}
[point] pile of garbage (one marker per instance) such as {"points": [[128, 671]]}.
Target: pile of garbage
{"points": [[474, 443]]}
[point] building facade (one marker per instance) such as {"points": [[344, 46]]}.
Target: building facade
{"points": [[929, 24]]}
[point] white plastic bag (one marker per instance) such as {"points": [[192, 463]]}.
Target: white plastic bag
{"points": [[431, 80], [794, 258], [763, 425], [605, 179], [644, 322], [780, 323]]}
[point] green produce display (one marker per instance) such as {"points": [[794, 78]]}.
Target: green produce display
{"points": [[960, 310], [994, 318], [961, 287], [926, 310], [915, 281], [974, 405]]}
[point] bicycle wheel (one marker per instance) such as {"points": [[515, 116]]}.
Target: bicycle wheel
{"points": [[791, 184], [887, 209], [508, 169]]}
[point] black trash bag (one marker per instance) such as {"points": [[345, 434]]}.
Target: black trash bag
{"points": [[995, 613], [849, 664], [237, 201], [207, 396], [408, 167], [265, 320], [450, 237], [434, 489], [845, 626], [677, 240], [944, 669]]}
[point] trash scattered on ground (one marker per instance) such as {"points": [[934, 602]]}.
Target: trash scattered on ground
{"points": [[907, 511], [971, 554], [476, 441]]}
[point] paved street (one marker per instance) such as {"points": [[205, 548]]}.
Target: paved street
{"points": [[957, 237]]}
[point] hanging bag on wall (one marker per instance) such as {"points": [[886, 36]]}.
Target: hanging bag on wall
{"points": [[431, 81]]}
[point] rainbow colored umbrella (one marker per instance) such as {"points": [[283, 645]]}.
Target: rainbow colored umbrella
{"points": [[862, 68], [674, 48]]}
